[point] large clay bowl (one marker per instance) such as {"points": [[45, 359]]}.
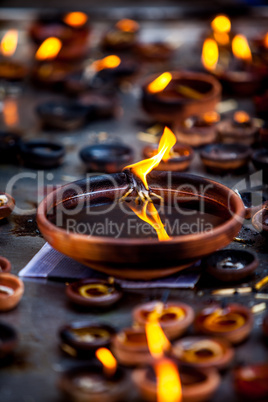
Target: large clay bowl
{"points": [[169, 106], [140, 258]]}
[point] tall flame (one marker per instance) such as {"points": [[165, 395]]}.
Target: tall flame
{"points": [[241, 48], [156, 339], [160, 83], [111, 61], [9, 43], [10, 112], [75, 19], [168, 381], [142, 168], [210, 54], [49, 49], [127, 25], [107, 359], [221, 23]]}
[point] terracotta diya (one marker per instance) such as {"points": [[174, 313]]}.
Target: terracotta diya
{"points": [[7, 204], [5, 265], [180, 157], [196, 385], [253, 201], [220, 158], [251, 381], [265, 326], [153, 251], [94, 293], [8, 340], [234, 322], [106, 157], [260, 220], [11, 291], [240, 129], [122, 36], [41, 154], [260, 161], [231, 265], [82, 339], [173, 317], [198, 130], [203, 352], [174, 96]]}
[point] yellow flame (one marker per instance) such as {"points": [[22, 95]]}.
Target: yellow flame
{"points": [[9, 43], [107, 359], [210, 54], [49, 49], [266, 40], [221, 23], [127, 25], [148, 213], [160, 83], [10, 112], [142, 168], [241, 48], [156, 339], [75, 19], [241, 117], [111, 61], [168, 381]]}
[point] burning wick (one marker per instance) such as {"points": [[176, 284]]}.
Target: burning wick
{"points": [[127, 25], [210, 54], [3, 200], [107, 359], [108, 62], [241, 49], [49, 49], [75, 19], [156, 339], [9, 43], [168, 381], [160, 83]]}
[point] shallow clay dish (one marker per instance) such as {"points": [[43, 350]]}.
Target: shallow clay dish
{"points": [[5, 265], [173, 317], [8, 340], [11, 291], [251, 382], [7, 204], [150, 258]]}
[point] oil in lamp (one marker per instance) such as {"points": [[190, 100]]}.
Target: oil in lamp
{"points": [[174, 96], [5, 265], [241, 129], [10, 70], [173, 317], [94, 293], [7, 204], [233, 322], [251, 381], [122, 36], [106, 382], [199, 130], [82, 339], [8, 340], [11, 291]]}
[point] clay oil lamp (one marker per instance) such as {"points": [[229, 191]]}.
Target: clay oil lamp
{"points": [[253, 201], [260, 161], [203, 352], [41, 154], [11, 291], [94, 382], [154, 52], [173, 96], [7, 204], [99, 105], [82, 339], [178, 160], [231, 265], [154, 252], [9, 146], [240, 129], [62, 114], [173, 317], [251, 382], [233, 322], [8, 340], [5, 265], [10, 70], [265, 326], [121, 37], [260, 220], [106, 157], [94, 293], [224, 158], [198, 130]]}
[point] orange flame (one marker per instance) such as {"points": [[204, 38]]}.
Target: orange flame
{"points": [[241, 117], [148, 213], [49, 49], [168, 381], [10, 112], [111, 61], [221, 24], [160, 83], [222, 38], [107, 359], [142, 168], [156, 339], [75, 19], [266, 40], [210, 54], [127, 25], [211, 117], [241, 48], [9, 43]]}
